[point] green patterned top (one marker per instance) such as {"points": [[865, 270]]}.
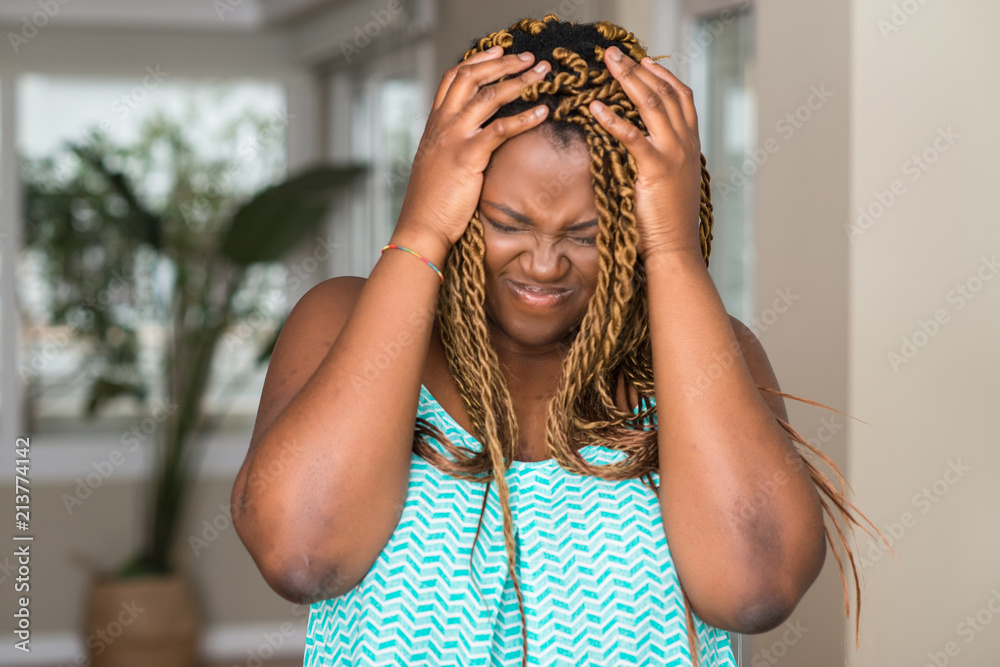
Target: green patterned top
{"points": [[598, 581]]}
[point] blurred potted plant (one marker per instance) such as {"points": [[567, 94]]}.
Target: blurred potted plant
{"points": [[193, 258]]}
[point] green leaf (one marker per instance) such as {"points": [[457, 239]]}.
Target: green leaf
{"points": [[278, 218], [104, 390], [146, 225], [140, 565]]}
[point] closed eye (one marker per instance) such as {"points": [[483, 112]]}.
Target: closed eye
{"points": [[583, 240], [502, 228]]}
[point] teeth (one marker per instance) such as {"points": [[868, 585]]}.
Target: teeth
{"points": [[538, 290]]}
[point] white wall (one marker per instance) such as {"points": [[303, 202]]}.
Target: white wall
{"points": [[803, 124], [938, 70]]}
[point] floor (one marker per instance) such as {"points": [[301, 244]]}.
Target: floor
{"points": [[229, 663], [265, 663]]}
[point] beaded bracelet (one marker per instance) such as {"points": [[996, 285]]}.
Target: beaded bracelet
{"points": [[418, 256]]}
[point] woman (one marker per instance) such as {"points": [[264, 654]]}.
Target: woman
{"points": [[560, 205]]}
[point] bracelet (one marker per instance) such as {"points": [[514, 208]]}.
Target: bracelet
{"points": [[418, 256]]}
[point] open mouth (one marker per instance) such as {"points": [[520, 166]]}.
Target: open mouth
{"points": [[532, 295]]}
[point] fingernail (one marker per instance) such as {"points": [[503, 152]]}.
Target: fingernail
{"points": [[494, 49], [615, 54], [540, 67], [525, 56]]}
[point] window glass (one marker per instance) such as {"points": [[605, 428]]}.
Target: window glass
{"points": [[722, 81], [387, 121], [401, 127], [191, 152]]}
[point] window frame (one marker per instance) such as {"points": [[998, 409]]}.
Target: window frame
{"points": [[680, 26], [65, 454]]}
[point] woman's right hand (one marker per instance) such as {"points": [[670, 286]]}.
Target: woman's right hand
{"points": [[447, 176]]}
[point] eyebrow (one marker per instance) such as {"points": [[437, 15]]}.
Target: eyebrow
{"points": [[522, 218]]}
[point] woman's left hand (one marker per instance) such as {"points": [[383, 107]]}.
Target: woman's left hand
{"points": [[668, 159]]}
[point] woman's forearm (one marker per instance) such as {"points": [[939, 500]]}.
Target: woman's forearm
{"points": [[719, 446], [322, 489]]}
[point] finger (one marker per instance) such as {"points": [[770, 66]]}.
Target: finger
{"points": [[449, 75], [491, 97], [655, 99], [630, 136], [502, 129], [685, 94], [468, 80]]}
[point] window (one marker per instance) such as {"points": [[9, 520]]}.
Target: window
{"points": [[232, 152], [721, 54], [377, 111], [385, 133], [715, 52]]}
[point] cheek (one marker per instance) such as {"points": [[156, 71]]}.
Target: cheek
{"points": [[588, 262], [501, 249]]}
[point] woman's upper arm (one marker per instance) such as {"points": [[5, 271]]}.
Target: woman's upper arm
{"points": [[306, 337], [308, 334]]}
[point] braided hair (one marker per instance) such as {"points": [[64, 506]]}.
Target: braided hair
{"points": [[613, 339]]}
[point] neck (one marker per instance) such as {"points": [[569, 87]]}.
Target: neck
{"points": [[528, 368]]}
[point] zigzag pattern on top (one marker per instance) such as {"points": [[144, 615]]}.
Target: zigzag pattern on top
{"points": [[598, 581]]}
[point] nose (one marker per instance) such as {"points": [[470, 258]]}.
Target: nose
{"points": [[545, 260]]}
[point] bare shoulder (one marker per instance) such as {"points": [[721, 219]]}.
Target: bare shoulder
{"points": [[317, 318], [759, 366], [308, 333], [328, 303]]}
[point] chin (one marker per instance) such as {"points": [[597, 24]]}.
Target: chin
{"points": [[537, 323], [534, 332]]}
